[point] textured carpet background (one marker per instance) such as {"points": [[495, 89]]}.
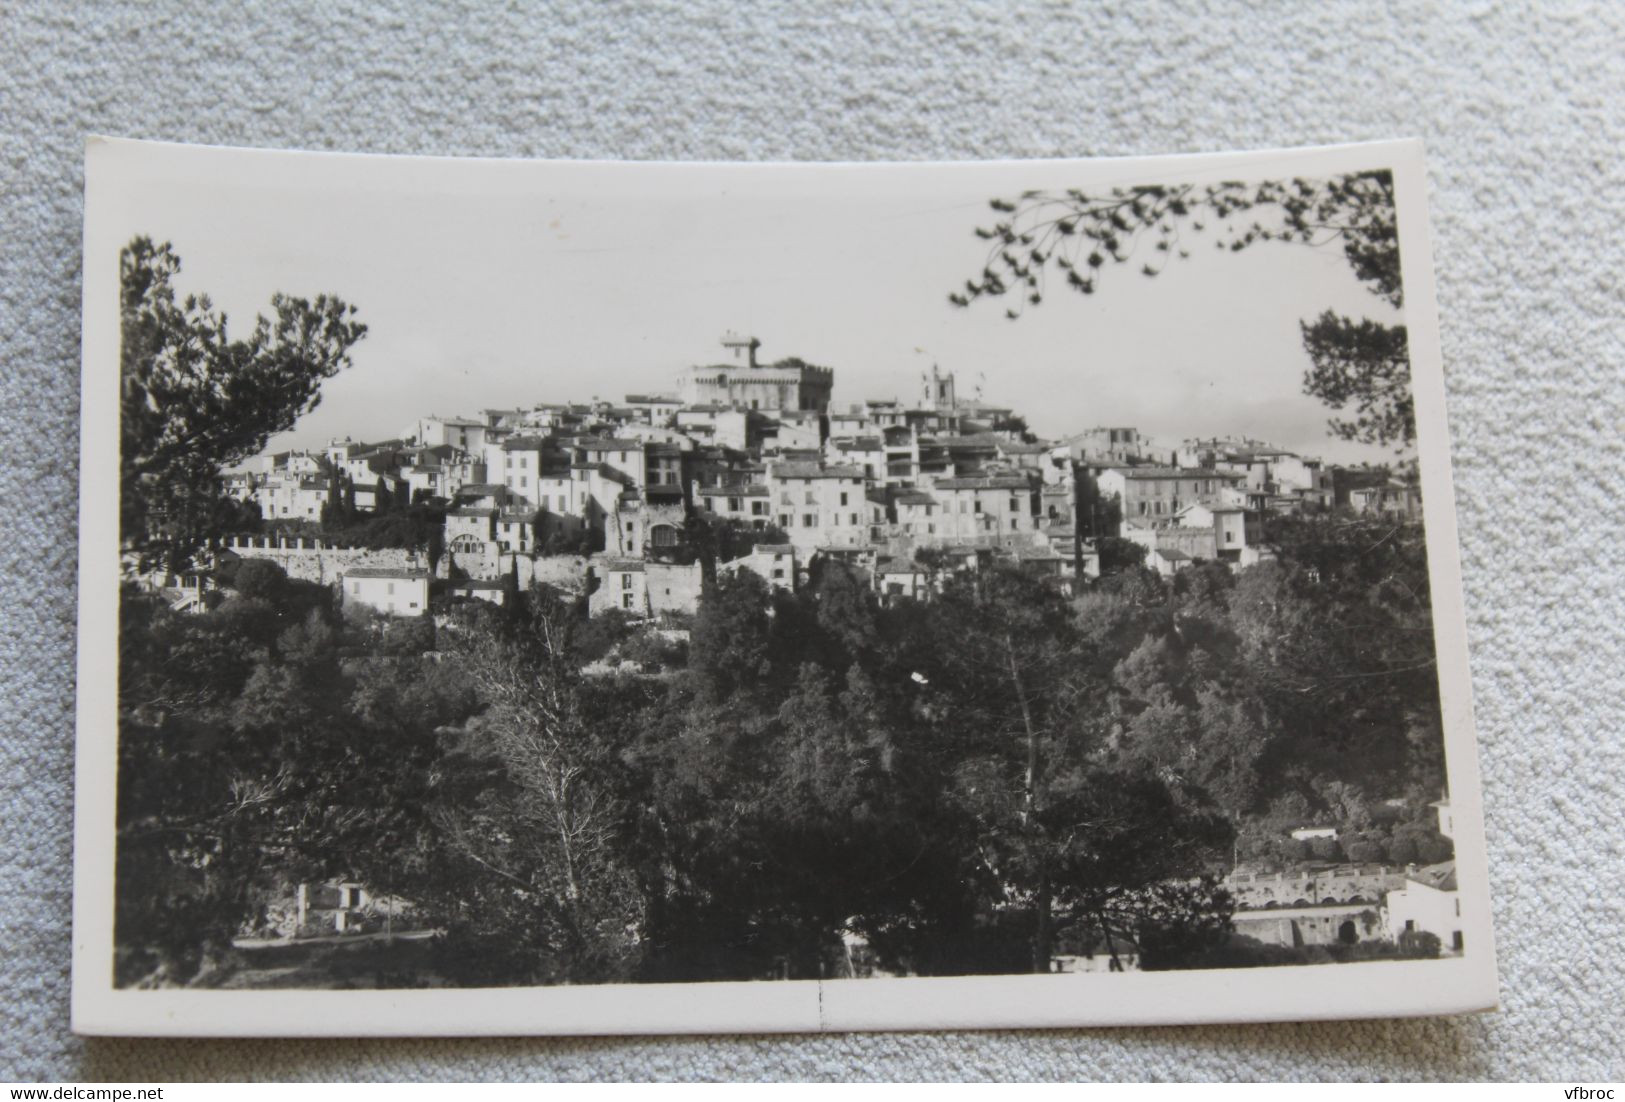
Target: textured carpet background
{"points": [[1523, 111]]}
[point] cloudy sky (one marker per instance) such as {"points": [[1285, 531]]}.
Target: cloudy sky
{"points": [[498, 284]]}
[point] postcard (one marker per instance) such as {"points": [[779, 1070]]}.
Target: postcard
{"points": [[581, 597]]}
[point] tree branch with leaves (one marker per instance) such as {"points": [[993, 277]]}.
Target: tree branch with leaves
{"points": [[1077, 237], [194, 400]]}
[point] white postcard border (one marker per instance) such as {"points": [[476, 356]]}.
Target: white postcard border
{"points": [[1367, 989]]}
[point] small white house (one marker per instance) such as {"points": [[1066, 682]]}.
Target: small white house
{"points": [[393, 591], [1427, 903]]}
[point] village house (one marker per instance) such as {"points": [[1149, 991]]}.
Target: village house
{"points": [[867, 453], [654, 409], [746, 505], [774, 563], [459, 432], [989, 506], [1428, 903], [819, 506], [1152, 492], [389, 590], [1389, 497], [291, 497]]}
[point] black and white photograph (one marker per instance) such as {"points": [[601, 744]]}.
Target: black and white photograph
{"points": [[596, 597]]}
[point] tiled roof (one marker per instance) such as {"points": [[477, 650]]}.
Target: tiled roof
{"points": [[1177, 472], [813, 470], [620, 566], [1441, 877], [987, 482], [385, 572]]}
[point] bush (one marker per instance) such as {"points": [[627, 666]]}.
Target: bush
{"points": [[1366, 852], [407, 638], [1326, 849], [260, 579], [1418, 943]]}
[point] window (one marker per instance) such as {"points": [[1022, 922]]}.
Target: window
{"points": [[758, 508], [784, 520], [735, 504], [414, 604], [626, 600], [809, 520], [843, 499], [978, 505], [1229, 537], [809, 498], [392, 589], [1015, 523], [1015, 505], [626, 581]]}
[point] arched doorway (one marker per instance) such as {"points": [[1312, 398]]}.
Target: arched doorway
{"points": [[1347, 934]]}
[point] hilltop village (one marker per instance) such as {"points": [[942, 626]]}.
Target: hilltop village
{"points": [[605, 499], [630, 511]]}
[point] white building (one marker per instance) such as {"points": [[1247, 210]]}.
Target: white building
{"points": [[283, 497], [1428, 903], [1152, 492], [390, 590], [989, 505], [774, 563], [819, 506], [459, 432], [747, 384]]}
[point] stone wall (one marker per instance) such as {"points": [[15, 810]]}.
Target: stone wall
{"points": [[313, 560], [1344, 885], [567, 572], [672, 588], [1312, 926]]}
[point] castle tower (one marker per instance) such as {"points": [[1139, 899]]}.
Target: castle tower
{"points": [[737, 344]]}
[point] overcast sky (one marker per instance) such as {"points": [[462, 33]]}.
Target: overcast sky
{"points": [[500, 284]]}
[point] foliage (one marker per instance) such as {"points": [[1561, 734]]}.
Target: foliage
{"points": [[194, 400], [1080, 234], [1366, 364], [827, 787], [1118, 554], [1077, 237], [249, 754]]}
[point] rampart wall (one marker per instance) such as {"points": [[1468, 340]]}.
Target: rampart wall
{"points": [[314, 560]]}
